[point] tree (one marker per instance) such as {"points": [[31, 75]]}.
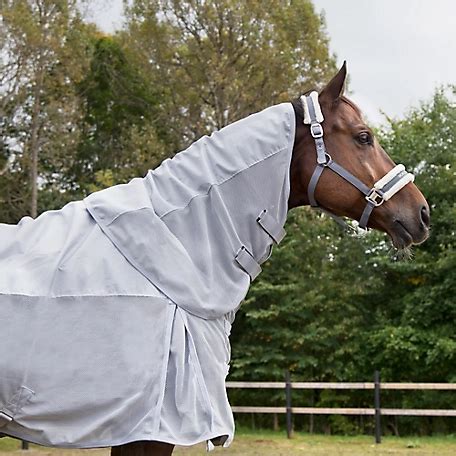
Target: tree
{"points": [[120, 134], [43, 54], [415, 327], [220, 61], [301, 308], [330, 307]]}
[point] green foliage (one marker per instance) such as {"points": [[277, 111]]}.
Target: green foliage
{"points": [[331, 307], [415, 329], [120, 139], [300, 309], [43, 48], [222, 60]]}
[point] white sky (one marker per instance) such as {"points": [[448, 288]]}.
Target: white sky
{"points": [[397, 51]]}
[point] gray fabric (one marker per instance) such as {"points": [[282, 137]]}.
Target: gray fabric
{"points": [[248, 263], [316, 129], [349, 177], [365, 215], [115, 311], [271, 227], [394, 181], [322, 156], [200, 208], [313, 185]]}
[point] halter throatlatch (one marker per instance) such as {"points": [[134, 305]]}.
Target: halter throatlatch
{"points": [[383, 189]]}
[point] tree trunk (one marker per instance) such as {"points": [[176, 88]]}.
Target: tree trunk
{"points": [[34, 145], [275, 422], [311, 418], [4, 169]]}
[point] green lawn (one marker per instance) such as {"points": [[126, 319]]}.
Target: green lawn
{"points": [[264, 443]]}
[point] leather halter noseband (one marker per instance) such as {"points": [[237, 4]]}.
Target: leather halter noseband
{"points": [[383, 189]]}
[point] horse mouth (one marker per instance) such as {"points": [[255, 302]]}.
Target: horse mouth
{"points": [[403, 238]]}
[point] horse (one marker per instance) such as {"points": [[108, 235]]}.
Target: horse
{"points": [[214, 213]]}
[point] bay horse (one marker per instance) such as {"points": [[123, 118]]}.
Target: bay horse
{"points": [[344, 189], [164, 262]]}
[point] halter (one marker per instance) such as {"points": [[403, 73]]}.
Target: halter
{"points": [[383, 189]]}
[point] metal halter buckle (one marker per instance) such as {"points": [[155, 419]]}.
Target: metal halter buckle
{"points": [[316, 130], [375, 197]]}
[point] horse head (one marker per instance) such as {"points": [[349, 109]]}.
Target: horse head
{"points": [[339, 166]]}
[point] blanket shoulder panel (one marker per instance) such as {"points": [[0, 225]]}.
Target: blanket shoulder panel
{"points": [[65, 253]]}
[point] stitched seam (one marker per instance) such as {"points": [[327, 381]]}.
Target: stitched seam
{"points": [[88, 295], [288, 135], [164, 374], [17, 401], [126, 212], [218, 184], [195, 365]]}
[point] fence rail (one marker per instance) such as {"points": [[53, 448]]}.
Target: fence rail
{"points": [[344, 385], [376, 412], [344, 411]]}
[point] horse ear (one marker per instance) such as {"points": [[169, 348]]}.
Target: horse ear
{"points": [[335, 88]]}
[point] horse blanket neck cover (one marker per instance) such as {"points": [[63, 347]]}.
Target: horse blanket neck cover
{"points": [[115, 311]]}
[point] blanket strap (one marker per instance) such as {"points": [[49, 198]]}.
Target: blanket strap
{"points": [[269, 224], [14, 405], [5, 419], [246, 261]]}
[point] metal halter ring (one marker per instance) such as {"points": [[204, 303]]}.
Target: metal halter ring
{"points": [[328, 159], [375, 197]]}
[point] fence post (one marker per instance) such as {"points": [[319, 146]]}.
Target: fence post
{"points": [[378, 423], [288, 401], [24, 445]]}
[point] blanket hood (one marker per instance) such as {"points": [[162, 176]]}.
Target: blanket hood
{"points": [[199, 226]]}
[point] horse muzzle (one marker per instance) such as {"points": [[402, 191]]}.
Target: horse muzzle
{"points": [[406, 231]]}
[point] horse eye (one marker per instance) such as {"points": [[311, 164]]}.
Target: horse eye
{"points": [[364, 138]]}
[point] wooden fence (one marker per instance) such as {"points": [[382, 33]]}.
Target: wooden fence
{"points": [[376, 411]]}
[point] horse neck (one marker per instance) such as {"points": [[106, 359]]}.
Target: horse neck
{"points": [[298, 185]]}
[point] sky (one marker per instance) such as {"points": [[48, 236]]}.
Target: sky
{"points": [[397, 51]]}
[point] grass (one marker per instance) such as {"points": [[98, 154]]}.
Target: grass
{"points": [[268, 443]]}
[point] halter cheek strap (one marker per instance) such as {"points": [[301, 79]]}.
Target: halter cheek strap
{"points": [[383, 189]]}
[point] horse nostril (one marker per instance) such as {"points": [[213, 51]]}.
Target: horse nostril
{"points": [[425, 218]]}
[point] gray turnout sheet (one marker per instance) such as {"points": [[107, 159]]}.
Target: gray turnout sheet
{"points": [[115, 311]]}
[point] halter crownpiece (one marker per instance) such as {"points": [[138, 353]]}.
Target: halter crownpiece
{"points": [[383, 189]]}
